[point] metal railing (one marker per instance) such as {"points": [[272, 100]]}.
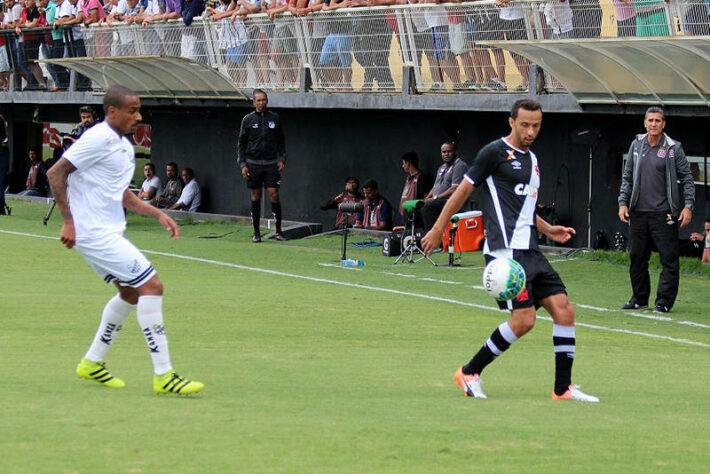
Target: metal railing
{"points": [[365, 49]]}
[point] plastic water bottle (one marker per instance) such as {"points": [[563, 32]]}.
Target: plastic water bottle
{"points": [[350, 262]]}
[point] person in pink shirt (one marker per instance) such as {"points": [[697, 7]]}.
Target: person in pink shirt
{"points": [[625, 17], [93, 11]]}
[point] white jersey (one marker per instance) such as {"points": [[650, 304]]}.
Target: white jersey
{"points": [[105, 162]]}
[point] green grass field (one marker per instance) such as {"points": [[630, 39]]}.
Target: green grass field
{"points": [[312, 367]]}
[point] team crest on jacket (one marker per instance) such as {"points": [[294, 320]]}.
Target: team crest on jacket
{"points": [[662, 152], [272, 124]]}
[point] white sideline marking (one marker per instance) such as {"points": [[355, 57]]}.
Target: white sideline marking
{"points": [[389, 290], [338, 266]]}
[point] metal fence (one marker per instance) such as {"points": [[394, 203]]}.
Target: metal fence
{"points": [[365, 49]]}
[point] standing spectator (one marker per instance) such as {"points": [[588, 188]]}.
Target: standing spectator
{"points": [[350, 195], [233, 40], [4, 59], [261, 155], [448, 178], [336, 57], [94, 14], [151, 185], [558, 16], [512, 28], [377, 211], [416, 186], [127, 11], [284, 49], [433, 38], [14, 19], [191, 196], [651, 18], [649, 195], [258, 48], [153, 35], [587, 18], [61, 74], [32, 17], [36, 184], [4, 164], [72, 16], [173, 187], [625, 18], [194, 36], [372, 39]]}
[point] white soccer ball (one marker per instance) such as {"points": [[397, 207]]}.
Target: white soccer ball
{"points": [[503, 278]]}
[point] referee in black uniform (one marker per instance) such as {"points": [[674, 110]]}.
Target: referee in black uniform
{"points": [[509, 173], [262, 157]]}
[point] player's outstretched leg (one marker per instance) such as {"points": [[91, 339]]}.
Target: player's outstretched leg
{"points": [[468, 376], [92, 366]]}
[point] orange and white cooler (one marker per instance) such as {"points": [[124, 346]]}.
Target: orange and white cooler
{"points": [[469, 233]]}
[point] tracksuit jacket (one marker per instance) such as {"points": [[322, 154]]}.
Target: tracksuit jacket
{"points": [[676, 166], [261, 139]]}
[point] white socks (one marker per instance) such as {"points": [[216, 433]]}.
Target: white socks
{"points": [[112, 318], [150, 320]]}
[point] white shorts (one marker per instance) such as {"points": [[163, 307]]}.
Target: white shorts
{"points": [[114, 258]]}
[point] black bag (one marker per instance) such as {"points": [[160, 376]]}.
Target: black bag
{"points": [[392, 243], [600, 241]]}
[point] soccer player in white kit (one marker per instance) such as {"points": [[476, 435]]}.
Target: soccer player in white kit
{"points": [[90, 185]]}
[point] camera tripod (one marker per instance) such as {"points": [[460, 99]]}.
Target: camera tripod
{"points": [[409, 251], [49, 212]]}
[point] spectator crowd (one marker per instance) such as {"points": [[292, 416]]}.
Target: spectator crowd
{"points": [[273, 46]]}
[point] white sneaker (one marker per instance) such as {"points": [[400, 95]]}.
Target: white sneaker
{"points": [[472, 385], [575, 394]]}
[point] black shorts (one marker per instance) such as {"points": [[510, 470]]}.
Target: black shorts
{"points": [[510, 30], [541, 280], [263, 176]]}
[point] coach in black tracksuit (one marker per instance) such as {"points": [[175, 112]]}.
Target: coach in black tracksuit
{"points": [[650, 200], [262, 158]]}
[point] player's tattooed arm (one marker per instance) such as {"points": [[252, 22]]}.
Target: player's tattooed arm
{"points": [[134, 203], [57, 177]]}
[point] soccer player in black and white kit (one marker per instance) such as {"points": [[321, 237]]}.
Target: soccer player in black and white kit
{"points": [[509, 172]]}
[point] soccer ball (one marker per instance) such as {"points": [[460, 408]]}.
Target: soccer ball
{"points": [[503, 278]]}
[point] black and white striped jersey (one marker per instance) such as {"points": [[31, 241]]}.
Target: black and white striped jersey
{"points": [[511, 179]]}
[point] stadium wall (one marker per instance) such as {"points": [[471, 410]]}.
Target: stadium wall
{"points": [[325, 146]]}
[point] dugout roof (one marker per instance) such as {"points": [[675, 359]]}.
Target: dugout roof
{"points": [[668, 70], [159, 77]]}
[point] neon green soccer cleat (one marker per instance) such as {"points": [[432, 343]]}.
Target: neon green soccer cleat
{"points": [[97, 372], [173, 383]]}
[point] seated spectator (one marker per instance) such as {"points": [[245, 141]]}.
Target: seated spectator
{"points": [[36, 184], [416, 186], [191, 196], [173, 187], [351, 194], [377, 212], [698, 246], [448, 177], [151, 185]]}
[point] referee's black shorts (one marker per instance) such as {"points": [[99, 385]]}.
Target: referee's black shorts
{"points": [[541, 280], [263, 176]]}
